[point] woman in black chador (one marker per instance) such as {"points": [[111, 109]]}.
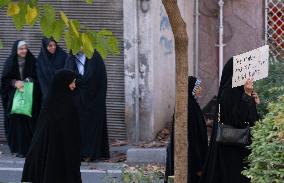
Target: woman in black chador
{"points": [[197, 135], [51, 58], [54, 156], [197, 132], [90, 99], [19, 67], [224, 163]]}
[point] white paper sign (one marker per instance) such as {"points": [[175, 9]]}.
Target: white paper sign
{"points": [[250, 65]]}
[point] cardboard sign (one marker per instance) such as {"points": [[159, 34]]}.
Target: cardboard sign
{"points": [[250, 65]]}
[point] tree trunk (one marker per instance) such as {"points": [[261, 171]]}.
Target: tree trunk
{"points": [[181, 51]]}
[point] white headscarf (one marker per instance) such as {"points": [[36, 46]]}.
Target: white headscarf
{"points": [[21, 43]]}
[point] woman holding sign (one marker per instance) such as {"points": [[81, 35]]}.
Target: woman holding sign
{"points": [[20, 98], [237, 110]]}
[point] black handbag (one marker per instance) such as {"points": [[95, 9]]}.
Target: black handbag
{"points": [[229, 135]]}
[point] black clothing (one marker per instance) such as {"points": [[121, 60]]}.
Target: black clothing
{"points": [[54, 156], [48, 64], [90, 100], [197, 138], [224, 163], [170, 155], [19, 128], [197, 135]]}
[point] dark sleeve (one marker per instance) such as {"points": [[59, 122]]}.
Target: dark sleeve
{"points": [[41, 78], [101, 80], [6, 86], [69, 63], [241, 109], [195, 142], [13, 82], [31, 74], [244, 109]]}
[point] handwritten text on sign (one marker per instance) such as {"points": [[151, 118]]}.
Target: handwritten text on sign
{"points": [[250, 65]]}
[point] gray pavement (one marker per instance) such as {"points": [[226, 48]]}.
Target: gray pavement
{"points": [[99, 172]]}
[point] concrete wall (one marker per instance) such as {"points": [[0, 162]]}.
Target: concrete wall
{"points": [[150, 66], [164, 69], [131, 66], [187, 8], [243, 29], [146, 69]]}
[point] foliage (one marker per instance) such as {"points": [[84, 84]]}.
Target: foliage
{"points": [[271, 88], [266, 161], [144, 174], [139, 174], [57, 24]]}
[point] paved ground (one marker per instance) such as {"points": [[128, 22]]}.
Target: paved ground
{"points": [[100, 172]]}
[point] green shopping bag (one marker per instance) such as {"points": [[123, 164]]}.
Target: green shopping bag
{"points": [[23, 100]]}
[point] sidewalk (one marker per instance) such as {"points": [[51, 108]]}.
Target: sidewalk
{"points": [[94, 172], [11, 167]]}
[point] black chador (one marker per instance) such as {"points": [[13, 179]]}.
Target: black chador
{"points": [[197, 137], [224, 163], [90, 99], [54, 156], [48, 64], [197, 133], [19, 68]]}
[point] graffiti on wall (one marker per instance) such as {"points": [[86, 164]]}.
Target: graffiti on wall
{"points": [[166, 40], [167, 45]]}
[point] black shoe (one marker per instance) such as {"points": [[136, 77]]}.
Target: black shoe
{"points": [[20, 155]]}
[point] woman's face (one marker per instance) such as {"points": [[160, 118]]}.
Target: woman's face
{"points": [[22, 51], [51, 47], [72, 86], [198, 91]]}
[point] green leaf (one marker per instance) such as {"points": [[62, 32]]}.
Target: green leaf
{"points": [[33, 3], [100, 48], [49, 13], [113, 43], [58, 30], [1, 44], [75, 27], [87, 45], [13, 9], [31, 15], [76, 44], [46, 27], [20, 19], [72, 42], [64, 18], [89, 1], [105, 32], [105, 42], [68, 40], [4, 3], [19, 22]]}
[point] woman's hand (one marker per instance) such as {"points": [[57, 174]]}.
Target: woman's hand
{"points": [[256, 98], [19, 85], [248, 87]]}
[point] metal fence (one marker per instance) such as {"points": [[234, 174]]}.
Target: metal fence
{"points": [[275, 27]]}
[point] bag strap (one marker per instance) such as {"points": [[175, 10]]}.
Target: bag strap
{"points": [[219, 115]]}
